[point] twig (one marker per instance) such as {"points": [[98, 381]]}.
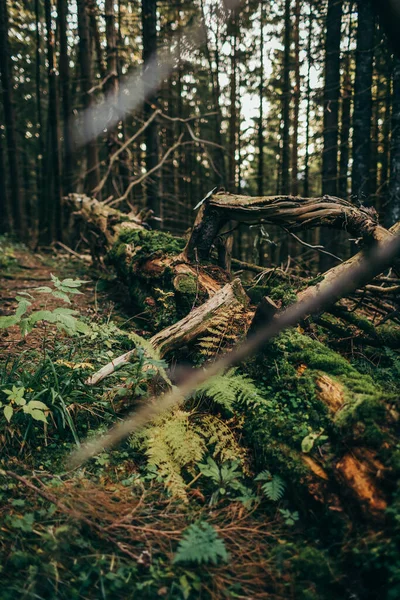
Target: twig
{"points": [[320, 249]]}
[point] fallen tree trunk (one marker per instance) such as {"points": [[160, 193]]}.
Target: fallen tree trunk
{"points": [[157, 270], [293, 213]]}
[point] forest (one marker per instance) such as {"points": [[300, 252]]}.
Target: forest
{"points": [[199, 299]]}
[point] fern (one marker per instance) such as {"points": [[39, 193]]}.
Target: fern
{"points": [[274, 486], [201, 544], [177, 442], [223, 331], [231, 388]]}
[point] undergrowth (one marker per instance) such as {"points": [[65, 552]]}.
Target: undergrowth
{"points": [[211, 500]]}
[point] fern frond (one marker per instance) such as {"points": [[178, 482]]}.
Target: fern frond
{"points": [[201, 544]]}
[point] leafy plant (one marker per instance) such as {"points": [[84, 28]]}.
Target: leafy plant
{"points": [[64, 318], [308, 442], [201, 544], [274, 486], [226, 478], [289, 517], [17, 402]]}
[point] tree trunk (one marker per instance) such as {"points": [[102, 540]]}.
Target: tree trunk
{"points": [[345, 129], [296, 98], [41, 149], [17, 205], [149, 34], [233, 117], [394, 182], [5, 206], [51, 219], [62, 11], [111, 84], [331, 97], [85, 58], [306, 190], [260, 130], [363, 100], [286, 93]]}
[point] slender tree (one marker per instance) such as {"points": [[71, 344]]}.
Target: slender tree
{"points": [[233, 114], [260, 130], [308, 106], [111, 83], [17, 205], [345, 123], [394, 186], [51, 214], [149, 34], [296, 99], [331, 96], [5, 207], [85, 59], [363, 100], [40, 134], [62, 12], [286, 93]]}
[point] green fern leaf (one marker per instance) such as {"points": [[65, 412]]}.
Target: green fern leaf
{"points": [[201, 544]]}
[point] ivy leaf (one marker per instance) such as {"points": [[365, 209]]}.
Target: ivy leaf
{"points": [[38, 415], [8, 321], [37, 404]]}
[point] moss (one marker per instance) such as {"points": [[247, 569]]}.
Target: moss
{"points": [[151, 242]]}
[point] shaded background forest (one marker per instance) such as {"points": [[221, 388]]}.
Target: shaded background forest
{"points": [[285, 97]]}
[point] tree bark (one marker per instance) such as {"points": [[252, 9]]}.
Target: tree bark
{"points": [[363, 100], [51, 218], [296, 98], [149, 34], [62, 11], [17, 205], [85, 58], [286, 93], [394, 182]]}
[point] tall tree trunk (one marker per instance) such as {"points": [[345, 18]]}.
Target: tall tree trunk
{"points": [[384, 175], [308, 107], [52, 222], [111, 86], [85, 58], [331, 96], [394, 182], [5, 205], [39, 114], [94, 34], [149, 33], [18, 213], [363, 99], [285, 181], [62, 11], [219, 158], [345, 129], [296, 98], [233, 129], [260, 132]]}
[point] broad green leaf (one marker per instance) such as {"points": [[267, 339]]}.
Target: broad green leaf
{"points": [[8, 321], [73, 283], [62, 296], [38, 415], [44, 289], [22, 307], [8, 412], [37, 404]]}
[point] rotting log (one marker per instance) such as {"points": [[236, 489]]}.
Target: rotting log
{"points": [[148, 261], [293, 213]]}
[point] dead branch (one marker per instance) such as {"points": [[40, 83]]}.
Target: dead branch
{"points": [[293, 213]]}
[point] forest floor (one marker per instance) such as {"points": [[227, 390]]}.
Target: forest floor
{"points": [[155, 517]]}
